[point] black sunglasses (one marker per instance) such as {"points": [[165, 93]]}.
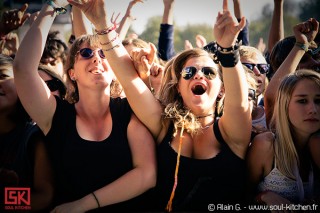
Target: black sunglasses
{"points": [[54, 84], [251, 94], [88, 53], [263, 68], [188, 72]]}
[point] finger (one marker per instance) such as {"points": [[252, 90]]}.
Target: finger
{"points": [[25, 17], [225, 5], [24, 8], [242, 23], [152, 54]]}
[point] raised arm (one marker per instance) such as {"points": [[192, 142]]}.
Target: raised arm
{"points": [[235, 123], [244, 33], [141, 99], [32, 90], [304, 32], [276, 32], [127, 20], [80, 24], [166, 41]]}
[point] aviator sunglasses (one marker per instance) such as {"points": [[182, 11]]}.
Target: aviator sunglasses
{"points": [[263, 68], [188, 72], [88, 53]]}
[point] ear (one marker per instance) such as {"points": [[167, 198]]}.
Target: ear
{"points": [[71, 74], [221, 93]]}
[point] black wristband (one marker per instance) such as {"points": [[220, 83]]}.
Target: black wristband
{"points": [[228, 57]]}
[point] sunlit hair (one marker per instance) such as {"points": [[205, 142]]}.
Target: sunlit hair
{"points": [[72, 92], [55, 47], [170, 97], [18, 112], [286, 156], [139, 43]]}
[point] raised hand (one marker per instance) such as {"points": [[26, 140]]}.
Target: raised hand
{"points": [[306, 32], [13, 19], [227, 28], [94, 10]]}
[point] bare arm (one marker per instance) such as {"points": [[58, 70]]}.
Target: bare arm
{"points": [[127, 20], [141, 100], [143, 175], [237, 9], [33, 92], [276, 32], [80, 24], [303, 35], [235, 123]]}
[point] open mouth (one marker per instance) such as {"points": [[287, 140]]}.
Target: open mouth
{"points": [[198, 89]]}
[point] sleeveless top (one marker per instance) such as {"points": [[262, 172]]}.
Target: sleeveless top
{"points": [[286, 187], [82, 166], [220, 179], [17, 157]]}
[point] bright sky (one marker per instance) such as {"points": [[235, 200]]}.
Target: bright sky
{"points": [[185, 11]]}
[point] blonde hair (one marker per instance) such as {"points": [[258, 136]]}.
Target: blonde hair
{"points": [[170, 98], [72, 89], [286, 156]]}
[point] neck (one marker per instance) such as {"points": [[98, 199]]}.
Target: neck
{"points": [[204, 116]]}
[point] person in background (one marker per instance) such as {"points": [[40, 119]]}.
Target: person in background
{"points": [[55, 54], [257, 66], [11, 20], [292, 53], [198, 154], [285, 173], [23, 155], [97, 146], [53, 81]]}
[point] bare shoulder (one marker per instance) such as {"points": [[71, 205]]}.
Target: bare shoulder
{"points": [[263, 142]]}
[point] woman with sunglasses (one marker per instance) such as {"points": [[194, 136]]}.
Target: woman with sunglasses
{"points": [[103, 156], [53, 81], [257, 67], [200, 157], [288, 170], [23, 156]]}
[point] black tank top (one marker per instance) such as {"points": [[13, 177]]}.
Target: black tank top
{"points": [[200, 181]]}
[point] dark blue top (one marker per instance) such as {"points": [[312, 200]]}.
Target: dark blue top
{"points": [[165, 45]]}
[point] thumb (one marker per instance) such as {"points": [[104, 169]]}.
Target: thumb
{"points": [[242, 23], [152, 54]]}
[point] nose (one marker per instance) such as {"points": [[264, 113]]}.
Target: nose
{"points": [[256, 71], [313, 108], [199, 75], [96, 57]]}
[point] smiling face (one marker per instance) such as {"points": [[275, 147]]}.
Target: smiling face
{"points": [[199, 93]]}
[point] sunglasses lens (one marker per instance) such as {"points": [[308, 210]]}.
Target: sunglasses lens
{"points": [[249, 66], [86, 53], [53, 84], [101, 54], [209, 72], [263, 68], [188, 72]]}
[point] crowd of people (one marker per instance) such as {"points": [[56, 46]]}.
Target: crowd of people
{"points": [[109, 122]]}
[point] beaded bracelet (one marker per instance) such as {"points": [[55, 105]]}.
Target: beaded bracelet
{"points": [[106, 31], [111, 48], [57, 10], [302, 46], [112, 40]]}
